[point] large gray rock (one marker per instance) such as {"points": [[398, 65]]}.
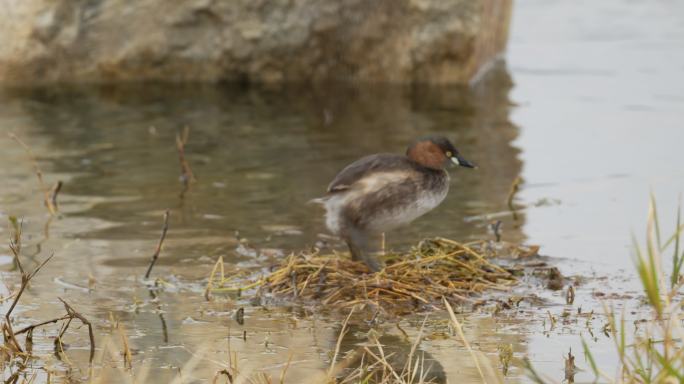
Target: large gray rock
{"points": [[404, 41]]}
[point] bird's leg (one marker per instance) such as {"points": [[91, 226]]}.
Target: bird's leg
{"points": [[357, 241], [382, 244]]}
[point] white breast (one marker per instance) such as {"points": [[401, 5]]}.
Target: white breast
{"points": [[425, 202]]}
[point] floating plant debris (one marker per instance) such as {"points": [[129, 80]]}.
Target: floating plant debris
{"points": [[433, 269]]}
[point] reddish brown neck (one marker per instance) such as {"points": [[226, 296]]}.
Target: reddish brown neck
{"points": [[427, 154]]}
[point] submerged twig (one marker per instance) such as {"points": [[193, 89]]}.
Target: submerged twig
{"points": [[12, 348], [31, 327], [7, 326], [75, 315], [15, 241], [155, 256], [165, 330], [570, 295], [496, 229], [59, 346], [515, 187], [127, 355], [187, 176], [224, 372], [50, 194], [218, 267], [53, 194], [32, 157], [570, 367]]}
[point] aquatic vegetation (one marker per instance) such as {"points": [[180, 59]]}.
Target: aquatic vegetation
{"points": [[14, 356], [433, 269], [655, 353], [372, 363]]}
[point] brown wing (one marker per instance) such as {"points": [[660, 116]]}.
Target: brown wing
{"points": [[357, 170]]}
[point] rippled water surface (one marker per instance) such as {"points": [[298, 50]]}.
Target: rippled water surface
{"points": [[587, 111]]}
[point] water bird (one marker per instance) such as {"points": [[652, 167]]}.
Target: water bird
{"points": [[380, 192]]}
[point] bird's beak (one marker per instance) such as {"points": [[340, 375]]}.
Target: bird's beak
{"points": [[458, 160]]}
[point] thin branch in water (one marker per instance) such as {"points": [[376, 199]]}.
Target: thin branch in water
{"points": [[570, 295], [32, 157], [7, 327], [25, 278], [210, 283], [46, 236], [59, 346], [187, 176], [570, 367], [165, 330], [496, 229], [224, 372], [74, 314], [29, 342], [53, 194], [515, 187], [31, 327], [127, 355], [15, 241], [49, 194], [155, 256]]}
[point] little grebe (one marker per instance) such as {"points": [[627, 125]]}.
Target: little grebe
{"points": [[380, 192]]}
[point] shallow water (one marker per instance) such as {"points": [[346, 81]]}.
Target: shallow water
{"points": [[587, 111]]}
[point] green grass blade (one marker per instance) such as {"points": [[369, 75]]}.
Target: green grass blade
{"points": [[649, 280], [639, 366], [654, 211], [667, 366], [623, 342], [654, 258], [588, 356], [678, 231], [532, 373], [676, 260]]}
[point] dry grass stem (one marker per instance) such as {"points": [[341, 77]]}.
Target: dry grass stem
{"points": [[459, 330], [343, 332], [435, 268]]}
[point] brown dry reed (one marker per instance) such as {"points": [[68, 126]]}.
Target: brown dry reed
{"points": [[433, 269]]}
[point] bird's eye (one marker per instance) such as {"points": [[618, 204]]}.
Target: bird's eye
{"points": [[449, 154]]}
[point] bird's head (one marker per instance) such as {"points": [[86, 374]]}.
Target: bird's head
{"points": [[436, 152]]}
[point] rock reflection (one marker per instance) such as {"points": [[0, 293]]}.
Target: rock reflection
{"points": [[261, 154]]}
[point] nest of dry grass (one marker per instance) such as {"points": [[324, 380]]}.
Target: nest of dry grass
{"points": [[433, 269]]}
